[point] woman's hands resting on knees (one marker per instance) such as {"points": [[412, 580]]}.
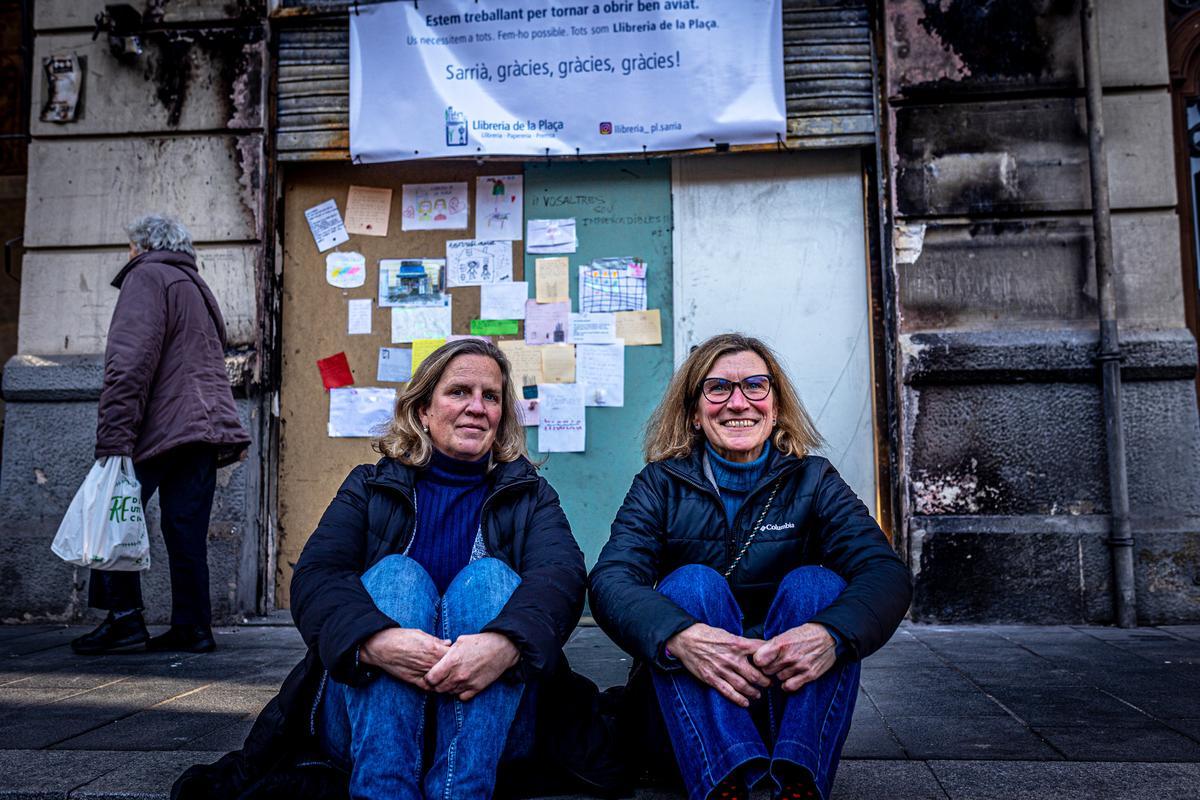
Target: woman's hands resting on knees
{"points": [[406, 654], [797, 656], [463, 668], [720, 659], [472, 663], [736, 666]]}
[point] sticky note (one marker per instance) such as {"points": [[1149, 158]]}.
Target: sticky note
{"points": [[422, 349], [493, 327], [639, 327], [335, 371]]}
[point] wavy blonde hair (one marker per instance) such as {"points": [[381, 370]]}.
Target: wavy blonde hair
{"points": [[669, 432], [408, 442]]}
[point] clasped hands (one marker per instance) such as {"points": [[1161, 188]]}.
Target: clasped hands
{"points": [[463, 668], [739, 668]]}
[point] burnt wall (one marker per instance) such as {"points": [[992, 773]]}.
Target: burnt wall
{"points": [[1005, 475]]}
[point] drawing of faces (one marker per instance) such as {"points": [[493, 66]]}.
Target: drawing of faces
{"points": [[424, 209]]}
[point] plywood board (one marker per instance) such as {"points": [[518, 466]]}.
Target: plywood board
{"points": [[312, 465], [620, 209], [772, 246]]}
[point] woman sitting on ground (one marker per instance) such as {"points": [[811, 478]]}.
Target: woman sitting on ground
{"points": [[440, 585], [749, 581]]}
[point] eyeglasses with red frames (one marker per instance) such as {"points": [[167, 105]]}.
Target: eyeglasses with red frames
{"points": [[719, 390]]}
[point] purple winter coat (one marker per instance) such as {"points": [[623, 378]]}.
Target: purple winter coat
{"points": [[165, 383]]}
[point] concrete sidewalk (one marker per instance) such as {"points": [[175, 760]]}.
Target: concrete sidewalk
{"points": [[944, 712]]}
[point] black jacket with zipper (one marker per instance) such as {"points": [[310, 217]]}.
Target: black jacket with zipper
{"points": [[372, 516], [673, 516]]}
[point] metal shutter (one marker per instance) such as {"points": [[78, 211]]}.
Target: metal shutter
{"points": [[828, 59]]}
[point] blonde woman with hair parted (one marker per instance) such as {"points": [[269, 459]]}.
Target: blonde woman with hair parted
{"points": [[440, 585], [748, 582]]}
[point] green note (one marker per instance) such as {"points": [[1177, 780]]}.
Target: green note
{"points": [[493, 327]]}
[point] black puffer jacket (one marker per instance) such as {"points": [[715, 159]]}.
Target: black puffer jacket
{"points": [[372, 517], [673, 516]]}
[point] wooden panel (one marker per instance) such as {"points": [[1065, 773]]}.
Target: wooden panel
{"points": [[828, 64], [620, 209], [83, 192], [1030, 155], [81, 280], [772, 245], [1029, 45], [82, 13], [312, 465], [118, 98], [1014, 274]]}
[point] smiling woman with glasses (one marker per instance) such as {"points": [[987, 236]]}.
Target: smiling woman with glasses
{"points": [[748, 581]]}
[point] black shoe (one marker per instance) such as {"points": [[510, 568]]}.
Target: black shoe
{"points": [[184, 638], [112, 635]]}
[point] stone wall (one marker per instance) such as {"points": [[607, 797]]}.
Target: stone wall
{"points": [[1005, 471], [178, 129]]}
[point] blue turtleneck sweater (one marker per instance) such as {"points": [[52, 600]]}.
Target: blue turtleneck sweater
{"points": [[450, 495], [736, 479]]}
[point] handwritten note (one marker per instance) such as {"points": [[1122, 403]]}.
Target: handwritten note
{"points": [[474, 262], [546, 323], [527, 411], [503, 300], [561, 418], [433, 206], [359, 321], [422, 349], [552, 280], [598, 328], [410, 323], [525, 361], [601, 370], [498, 203], [395, 365], [335, 371], [326, 225], [639, 327], [558, 363], [367, 210], [345, 270]]}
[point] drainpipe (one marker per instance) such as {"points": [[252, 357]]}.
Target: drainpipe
{"points": [[1120, 538]]}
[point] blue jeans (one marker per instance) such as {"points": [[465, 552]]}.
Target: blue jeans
{"points": [[712, 737], [377, 731]]}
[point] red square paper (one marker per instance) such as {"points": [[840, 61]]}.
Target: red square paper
{"points": [[335, 371]]}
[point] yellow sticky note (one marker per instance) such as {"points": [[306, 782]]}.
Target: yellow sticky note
{"points": [[558, 363], [525, 360], [422, 348], [552, 282], [639, 327]]}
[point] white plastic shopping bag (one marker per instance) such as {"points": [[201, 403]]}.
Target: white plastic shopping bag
{"points": [[104, 527]]}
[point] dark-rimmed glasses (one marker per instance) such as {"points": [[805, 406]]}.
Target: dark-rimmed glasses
{"points": [[719, 390]]}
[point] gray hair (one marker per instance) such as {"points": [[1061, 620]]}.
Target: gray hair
{"points": [[159, 232]]}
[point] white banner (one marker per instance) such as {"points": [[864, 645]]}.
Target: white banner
{"points": [[445, 78]]}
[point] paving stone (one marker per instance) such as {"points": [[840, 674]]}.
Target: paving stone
{"points": [[969, 738], [1185, 631], [39, 642], [140, 776], [907, 701], [872, 780], [175, 723], [1066, 706], [966, 780], [230, 737], [17, 631], [869, 737], [42, 775], [1099, 742]]}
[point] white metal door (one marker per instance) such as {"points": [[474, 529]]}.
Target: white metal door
{"points": [[773, 246]]}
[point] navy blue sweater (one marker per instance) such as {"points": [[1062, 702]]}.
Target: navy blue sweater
{"points": [[450, 495], [736, 479]]}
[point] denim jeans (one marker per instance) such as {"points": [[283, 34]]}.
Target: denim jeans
{"points": [[712, 737], [377, 731]]}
